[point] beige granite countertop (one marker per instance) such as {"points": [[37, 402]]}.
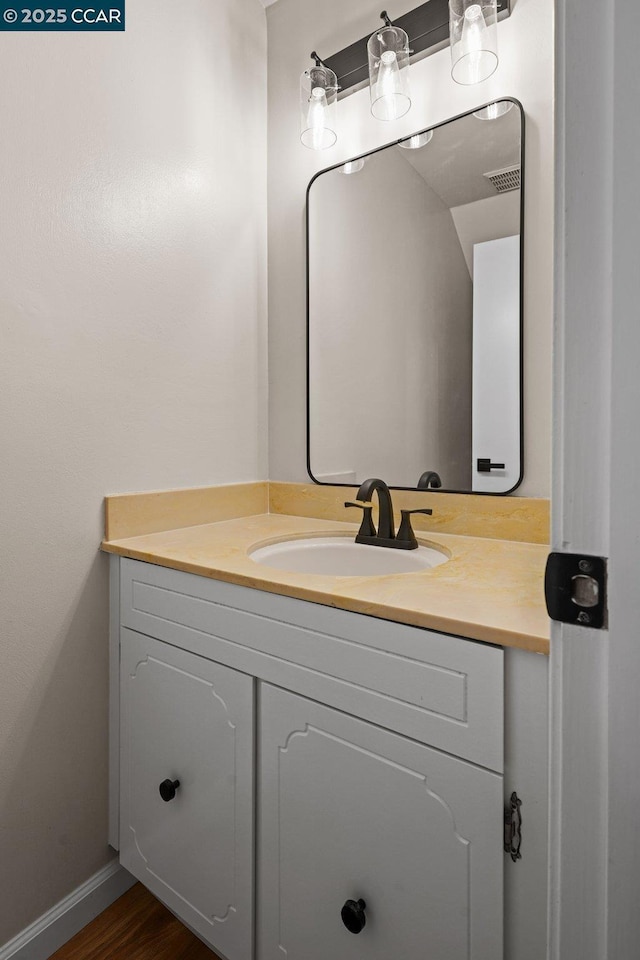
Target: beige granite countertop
{"points": [[490, 589]]}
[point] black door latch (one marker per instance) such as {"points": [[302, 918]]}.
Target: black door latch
{"points": [[575, 588]]}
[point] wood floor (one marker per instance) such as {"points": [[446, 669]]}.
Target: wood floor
{"points": [[135, 927]]}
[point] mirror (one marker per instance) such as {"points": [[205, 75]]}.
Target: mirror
{"points": [[415, 310]]}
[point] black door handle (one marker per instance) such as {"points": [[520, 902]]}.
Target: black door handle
{"points": [[168, 789], [485, 466], [353, 915]]}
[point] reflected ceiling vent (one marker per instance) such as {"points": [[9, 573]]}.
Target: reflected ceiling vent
{"points": [[505, 180]]}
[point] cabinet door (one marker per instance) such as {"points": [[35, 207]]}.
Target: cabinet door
{"points": [[189, 720], [352, 812]]}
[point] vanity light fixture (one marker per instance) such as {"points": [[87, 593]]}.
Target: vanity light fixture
{"points": [[417, 141], [494, 110], [383, 59], [474, 39], [318, 98], [388, 54]]}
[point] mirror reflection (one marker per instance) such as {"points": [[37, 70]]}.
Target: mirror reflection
{"points": [[414, 341]]}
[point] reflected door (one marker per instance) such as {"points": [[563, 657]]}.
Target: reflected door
{"points": [[496, 366]]}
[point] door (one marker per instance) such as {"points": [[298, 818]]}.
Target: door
{"points": [[595, 707], [186, 818], [496, 398], [358, 819]]}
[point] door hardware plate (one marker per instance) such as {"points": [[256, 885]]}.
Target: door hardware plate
{"points": [[575, 589]]}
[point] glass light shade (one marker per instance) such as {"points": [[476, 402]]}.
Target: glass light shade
{"points": [[474, 39], [353, 166], [318, 98], [417, 140], [388, 50], [494, 110]]}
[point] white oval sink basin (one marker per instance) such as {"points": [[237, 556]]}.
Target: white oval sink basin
{"points": [[342, 557]]}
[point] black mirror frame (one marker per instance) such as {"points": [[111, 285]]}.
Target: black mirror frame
{"points": [[371, 153]]}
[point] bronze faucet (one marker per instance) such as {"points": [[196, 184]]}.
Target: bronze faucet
{"points": [[385, 536]]}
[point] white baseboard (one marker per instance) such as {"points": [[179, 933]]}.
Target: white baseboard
{"points": [[68, 917]]}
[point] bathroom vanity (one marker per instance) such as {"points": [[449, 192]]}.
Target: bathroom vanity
{"points": [[298, 780], [314, 761]]}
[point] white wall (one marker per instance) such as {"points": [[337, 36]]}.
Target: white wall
{"points": [[390, 359], [132, 330], [526, 72], [490, 219]]}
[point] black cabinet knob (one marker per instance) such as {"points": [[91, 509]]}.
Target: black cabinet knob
{"points": [[353, 915], [168, 789]]}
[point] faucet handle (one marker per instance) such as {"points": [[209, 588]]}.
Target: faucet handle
{"points": [[405, 533], [367, 528]]}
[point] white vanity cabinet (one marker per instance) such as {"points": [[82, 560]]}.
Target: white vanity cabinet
{"points": [[186, 808], [404, 838], [379, 769]]}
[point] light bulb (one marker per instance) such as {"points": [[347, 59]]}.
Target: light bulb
{"points": [[389, 88], [473, 27], [316, 117], [388, 75]]}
